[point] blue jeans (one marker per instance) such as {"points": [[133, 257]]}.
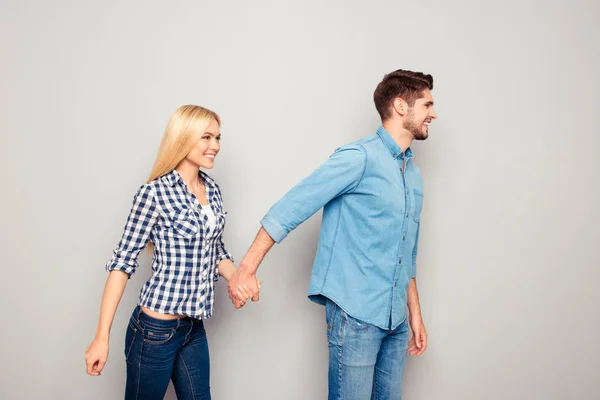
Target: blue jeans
{"points": [[160, 350], [365, 362]]}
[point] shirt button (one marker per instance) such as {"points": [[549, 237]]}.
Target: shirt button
{"points": [[400, 262], [403, 237], [407, 214]]}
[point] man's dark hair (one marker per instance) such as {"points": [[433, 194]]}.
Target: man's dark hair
{"points": [[407, 85]]}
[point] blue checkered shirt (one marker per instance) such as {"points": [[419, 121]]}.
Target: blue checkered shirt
{"points": [[186, 250]]}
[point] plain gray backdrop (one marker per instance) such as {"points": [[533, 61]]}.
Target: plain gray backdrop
{"points": [[508, 264]]}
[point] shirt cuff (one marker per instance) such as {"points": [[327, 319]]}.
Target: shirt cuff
{"points": [[274, 230], [224, 256], [113, 266], [413, 272]]}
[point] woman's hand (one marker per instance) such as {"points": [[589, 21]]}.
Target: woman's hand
{"points": [[243, 294], [96, 356]]}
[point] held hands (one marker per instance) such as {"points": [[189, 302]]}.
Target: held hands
{"points": [[242, 287], [418, 343], [96, 355]]}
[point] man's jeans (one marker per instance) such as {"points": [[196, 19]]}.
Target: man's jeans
{"points": [[365, 362], [160, 350]]}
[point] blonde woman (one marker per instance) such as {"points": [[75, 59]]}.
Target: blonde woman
{"points": [[179, 211]]}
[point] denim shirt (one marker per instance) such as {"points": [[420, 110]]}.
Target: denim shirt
{"points": [[370, 228]]}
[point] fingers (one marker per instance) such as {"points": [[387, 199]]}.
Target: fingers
{"points": [[412, 347], [96, 356], [91, 366], [237, 303], [243, 292], [233, 297], [256, 295], [246, 292], [242, 295], [231, 290], [417, 345], [100, 366], [422, 343]]}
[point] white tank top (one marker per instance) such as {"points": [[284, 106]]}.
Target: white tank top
{"points": [[212, 221]]}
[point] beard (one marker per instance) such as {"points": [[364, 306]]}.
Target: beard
{"points": [[417, 129]]}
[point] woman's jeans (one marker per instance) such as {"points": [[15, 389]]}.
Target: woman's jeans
{"points": [[158, 351]]}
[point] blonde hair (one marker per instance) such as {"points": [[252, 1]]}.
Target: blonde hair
{"points": [[184, 130]]}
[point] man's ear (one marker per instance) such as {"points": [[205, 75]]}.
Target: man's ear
{"points": [[400, 106]]}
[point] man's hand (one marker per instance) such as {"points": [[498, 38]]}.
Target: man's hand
{"points": [[418, 343], [242, 286]]}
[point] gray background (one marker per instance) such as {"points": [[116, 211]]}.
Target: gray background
{"points": [[508, 267]]}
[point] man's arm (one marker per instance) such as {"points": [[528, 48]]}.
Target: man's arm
{"points": [[418, 343], [246, 272], [339, 175]]}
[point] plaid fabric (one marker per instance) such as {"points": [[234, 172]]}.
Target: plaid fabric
{"points": [[187, 250]]}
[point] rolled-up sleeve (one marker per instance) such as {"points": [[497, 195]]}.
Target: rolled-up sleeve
{"points": [[413, 270], [141, 220], [222, 254], [340, 174]]}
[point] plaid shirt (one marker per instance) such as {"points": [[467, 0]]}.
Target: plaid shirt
{"points": [[186, 251]]}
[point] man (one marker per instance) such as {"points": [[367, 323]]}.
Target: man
{"points": [[365, 267]]}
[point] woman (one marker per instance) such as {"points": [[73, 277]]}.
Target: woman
{"points": [[179, 212]]}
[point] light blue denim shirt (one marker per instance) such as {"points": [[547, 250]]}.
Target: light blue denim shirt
{"points": [[368, 242]]}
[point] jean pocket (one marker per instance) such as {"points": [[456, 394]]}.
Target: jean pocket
{"points": [[355, 324], [154, 335], [330, 311], [418, 205], [132, 332]]}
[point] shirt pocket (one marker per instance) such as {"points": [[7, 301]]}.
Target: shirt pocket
{"points": [[418, 205], [184, 223], [221, 216]]}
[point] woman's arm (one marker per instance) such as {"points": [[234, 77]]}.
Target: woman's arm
{"points": [[97, 352], [141, 220], [226, 268]]}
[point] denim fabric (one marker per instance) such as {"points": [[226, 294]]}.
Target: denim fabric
{"points": [[372, 194], [158, 351], [365, 362]]}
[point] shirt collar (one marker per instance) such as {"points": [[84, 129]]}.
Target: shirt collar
{"points": [[391, 144], [173, 178]]}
